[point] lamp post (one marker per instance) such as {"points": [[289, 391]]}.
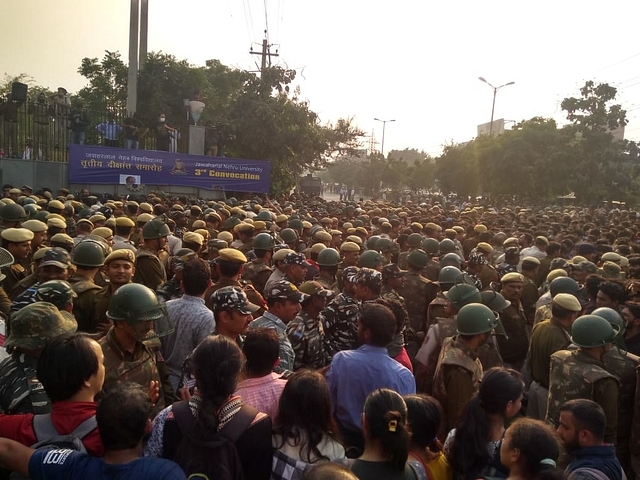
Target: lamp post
{"points": [[493, 106], [384, 124]]}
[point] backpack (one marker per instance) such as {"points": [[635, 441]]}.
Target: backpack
{"points": [[212, 455], [48, 438]]}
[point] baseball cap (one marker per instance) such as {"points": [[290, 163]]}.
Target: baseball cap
{"points": [[392, 270], [232, 298], [296, 259], [285, 291], [58, 257], [313, 287], [348, 273], [368, 277]]}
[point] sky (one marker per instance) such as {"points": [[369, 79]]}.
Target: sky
{"points": [[413, 61]]}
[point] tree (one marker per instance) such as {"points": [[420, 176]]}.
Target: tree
{"points": [[253, 117], [107, 89], [599, 158]]}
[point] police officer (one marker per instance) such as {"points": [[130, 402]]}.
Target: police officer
{"points": [[459, 370], [258, 270], [131, 346], [55, 265], [123, 232], [547, 338], [340, 317], [120, 268], [392, 279], [305, 331], [31, 329], [623, 365], [88, 257], [232, 312], [18, 242], [59, 293], [229, 266], [418, 293], [328, 261], [149, 269], [582, 374], [513, 346]]}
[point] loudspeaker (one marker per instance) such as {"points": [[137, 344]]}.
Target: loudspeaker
{"points": [[19, 92]]}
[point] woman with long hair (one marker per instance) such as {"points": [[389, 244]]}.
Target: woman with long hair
{"points": [[425, 450], [386, 438], [530, 450], [472, 448], [305, 433], [214, 412]]}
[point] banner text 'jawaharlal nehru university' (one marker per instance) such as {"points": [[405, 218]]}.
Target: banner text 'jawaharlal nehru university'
{"points": [[104, 165]]}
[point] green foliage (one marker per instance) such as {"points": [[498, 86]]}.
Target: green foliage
{"points": [[538, 161], [255, 117]]}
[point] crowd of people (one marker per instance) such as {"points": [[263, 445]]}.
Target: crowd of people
{"points": [[168, 338]]}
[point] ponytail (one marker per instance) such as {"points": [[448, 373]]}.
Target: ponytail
{"points": [[386, 417]]}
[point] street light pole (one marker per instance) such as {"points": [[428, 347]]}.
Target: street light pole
{"points": [[493, 106], [384, 125]]}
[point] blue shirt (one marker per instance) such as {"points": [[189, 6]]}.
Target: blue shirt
{"points": [[287, 356], [354, 374], [69, 465], [109, 130]]}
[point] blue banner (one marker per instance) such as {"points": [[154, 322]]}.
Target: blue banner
{"points": [[132, 168]]}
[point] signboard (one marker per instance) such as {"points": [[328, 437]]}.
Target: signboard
{"points": [[104, 165], [498, 128]]}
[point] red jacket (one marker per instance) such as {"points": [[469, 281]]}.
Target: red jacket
{"points": [[66, 416]]}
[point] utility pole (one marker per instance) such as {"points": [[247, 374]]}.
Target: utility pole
{"points": [[132, 78], [144, 32], [265, 53]]}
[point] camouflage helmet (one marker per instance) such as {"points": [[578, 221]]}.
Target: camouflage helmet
{"points": [[155, 229], [418, 258], [476, 318], [13, 213], [447, 246], [288, 235], [35, 324], [414, 240], [590, 331], [494, 300], [370, 259], [58, 292], [263, 241], [384, 245], [450, 259], [431, 245], [462, 294], [449, 274], [135, 303], [89, 254], [329, 257]]}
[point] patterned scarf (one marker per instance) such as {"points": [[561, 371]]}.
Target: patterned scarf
{"points": [[226, 412]]}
